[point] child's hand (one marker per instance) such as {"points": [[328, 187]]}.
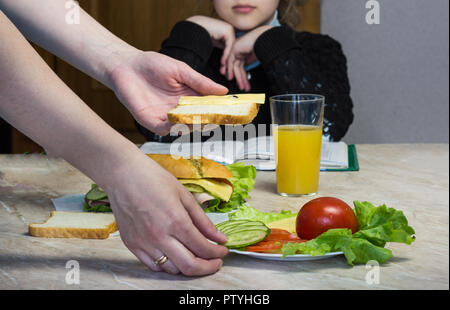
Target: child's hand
{"points": [[243, 54], [222, 35]]}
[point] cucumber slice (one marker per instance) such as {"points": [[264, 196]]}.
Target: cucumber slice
{"points": [[246, 238], [96, 193], [245, 228], [194, 188], [242, 233], [222, 225], [248, 226], [232, 222]]}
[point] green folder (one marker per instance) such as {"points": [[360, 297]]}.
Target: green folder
{"points": [[353, 164]]}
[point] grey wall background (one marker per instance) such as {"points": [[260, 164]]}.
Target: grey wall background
{"points": [[399, 69]]}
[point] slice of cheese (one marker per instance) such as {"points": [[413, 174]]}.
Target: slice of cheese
{"points": [[222, 100], [288, 224], [218, 189]]}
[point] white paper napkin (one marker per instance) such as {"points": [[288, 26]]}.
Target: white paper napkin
{"points": [[74, 203]]}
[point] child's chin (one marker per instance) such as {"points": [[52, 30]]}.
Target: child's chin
{"points": [[245, 25]]}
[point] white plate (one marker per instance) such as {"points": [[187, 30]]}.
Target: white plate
{"points": [[222, 217], [290, 258]]}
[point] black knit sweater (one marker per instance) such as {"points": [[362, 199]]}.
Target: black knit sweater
{"points": [[291, 62]]}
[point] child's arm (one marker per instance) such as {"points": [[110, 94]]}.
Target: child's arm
{"points": [[190, 43], [308, 63]]}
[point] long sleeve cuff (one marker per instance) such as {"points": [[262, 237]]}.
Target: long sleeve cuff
{"points": [[192, 37], [274, 43]]}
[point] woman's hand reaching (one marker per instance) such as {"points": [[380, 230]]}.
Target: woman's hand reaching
{"points": [[157, 216]]}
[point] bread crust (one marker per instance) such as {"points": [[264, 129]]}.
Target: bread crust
{"points": [[70, 232], [218, 119], [191, 168]]}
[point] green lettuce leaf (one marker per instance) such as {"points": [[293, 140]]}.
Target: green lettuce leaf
{"points": [[249, 213], [356, 250], [360, 251], [213, 205], [377, 226], [243, 182], [382, 224], [99, 208]]}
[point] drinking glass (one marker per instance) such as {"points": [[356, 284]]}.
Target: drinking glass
{"points": [[297, 121]]}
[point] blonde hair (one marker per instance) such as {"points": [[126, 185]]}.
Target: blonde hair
{"points": [[288, 12]]}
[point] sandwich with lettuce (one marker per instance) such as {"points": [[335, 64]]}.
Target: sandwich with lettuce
{"points": [[217, 188]]}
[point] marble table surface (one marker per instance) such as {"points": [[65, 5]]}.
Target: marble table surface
{"points": [[410, 177]]}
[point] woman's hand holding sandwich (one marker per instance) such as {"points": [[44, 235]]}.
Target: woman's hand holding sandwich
{"points": [[147, 83]]}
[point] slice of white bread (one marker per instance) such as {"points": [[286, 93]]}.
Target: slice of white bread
{"points": [[220, 110], [84, 225]]}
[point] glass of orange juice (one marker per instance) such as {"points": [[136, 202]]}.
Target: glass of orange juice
{"points": [[297, 122]]}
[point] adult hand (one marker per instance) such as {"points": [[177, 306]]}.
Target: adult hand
{"points": [[222, 35], [242, 54], [157, 216], [149, 84]]}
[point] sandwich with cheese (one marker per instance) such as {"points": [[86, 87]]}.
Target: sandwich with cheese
{"points": [[217, 188], [221, 110], [206, 179]]}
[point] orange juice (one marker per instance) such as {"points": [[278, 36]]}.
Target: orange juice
{"points": [[297, 156]]}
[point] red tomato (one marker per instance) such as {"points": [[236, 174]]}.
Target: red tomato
{"points": [[274, 241], [280, 235], [265, 247], [321, 214]]}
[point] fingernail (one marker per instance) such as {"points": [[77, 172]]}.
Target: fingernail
{"points": [[222, 235]]}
